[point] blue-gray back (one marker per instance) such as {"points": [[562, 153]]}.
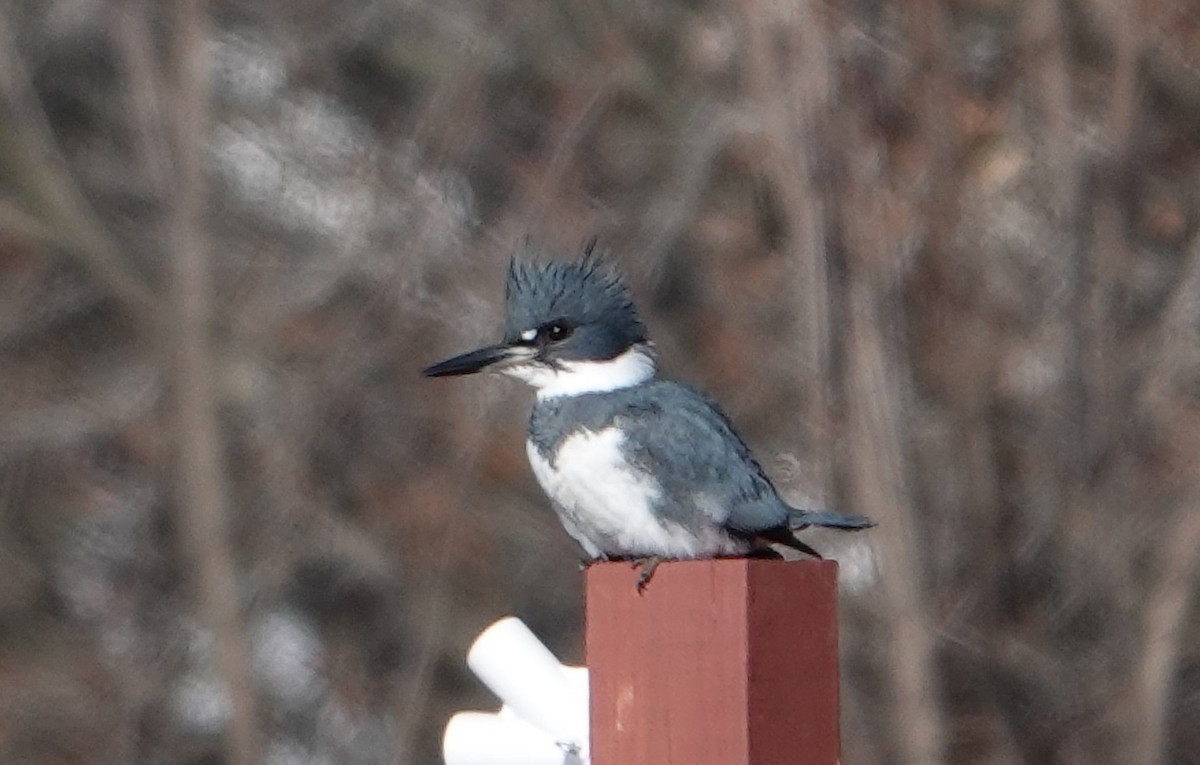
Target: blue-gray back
{"points": [[682, 438]]}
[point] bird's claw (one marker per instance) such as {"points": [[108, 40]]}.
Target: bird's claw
{"points": [[648, 565], [586, 563]]}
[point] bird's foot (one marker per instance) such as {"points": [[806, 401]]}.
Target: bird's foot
{"points": [[648, 565], [586, 563]]}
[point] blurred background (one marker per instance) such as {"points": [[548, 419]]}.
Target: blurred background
{"points": [[939, 260]]}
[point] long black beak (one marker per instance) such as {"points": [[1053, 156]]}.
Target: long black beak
{"points": [[478, 361]]}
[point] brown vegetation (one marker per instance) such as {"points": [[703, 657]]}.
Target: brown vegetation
{"points": [[939, 260]]}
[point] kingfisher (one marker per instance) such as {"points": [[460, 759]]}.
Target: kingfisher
{"points": [[637, 468]]}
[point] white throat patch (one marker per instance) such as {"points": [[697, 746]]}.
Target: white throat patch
{"points": [[573, 378]]}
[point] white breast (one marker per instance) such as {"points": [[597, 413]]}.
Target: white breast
{"points": [[607, 505]]}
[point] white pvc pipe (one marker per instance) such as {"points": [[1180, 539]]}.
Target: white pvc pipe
{"points": [[486, 738], [577, 677], [525, 675]]}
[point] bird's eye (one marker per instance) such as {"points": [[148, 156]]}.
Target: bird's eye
{"points": [[557, 331]]}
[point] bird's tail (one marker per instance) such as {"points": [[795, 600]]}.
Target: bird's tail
{"points": [[800, 519]]}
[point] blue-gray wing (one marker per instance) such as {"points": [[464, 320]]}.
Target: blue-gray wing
{"points": [[707, 473]]}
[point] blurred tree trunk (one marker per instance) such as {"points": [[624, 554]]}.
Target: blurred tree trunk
{"points": [[203, 504], [880, 489], [789, 93]]}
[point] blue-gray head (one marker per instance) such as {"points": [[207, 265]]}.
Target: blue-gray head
{"points": [[571, 327]]}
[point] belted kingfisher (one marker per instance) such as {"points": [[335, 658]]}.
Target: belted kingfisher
{"points": [[637, 468]]}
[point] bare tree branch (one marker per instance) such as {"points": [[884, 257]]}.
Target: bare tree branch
{"points": [[135, 43], [29, 151], [880, 489], [1163, 635], [203, 503], [1165, 614], [790, 128]]}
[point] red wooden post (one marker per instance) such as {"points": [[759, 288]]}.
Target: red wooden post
{"points": [[719, 662]]}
